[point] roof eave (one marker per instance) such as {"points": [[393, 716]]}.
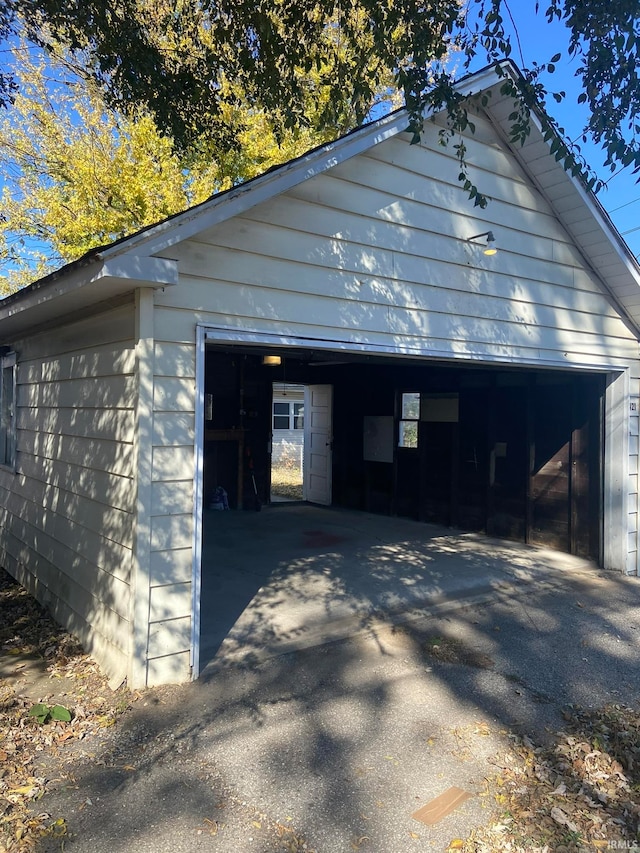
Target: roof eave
{"points": [[79, 286]]}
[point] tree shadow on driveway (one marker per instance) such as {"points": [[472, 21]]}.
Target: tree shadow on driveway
{"points": [[337, 745]]}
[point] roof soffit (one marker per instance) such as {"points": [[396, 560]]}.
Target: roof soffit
{"points": [[78, 287]]}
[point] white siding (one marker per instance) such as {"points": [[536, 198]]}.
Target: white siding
{"points": [[376, 251], [287, 444], [67, 511]]}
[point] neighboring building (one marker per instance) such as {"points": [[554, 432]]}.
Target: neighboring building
{"points": [[287, 426], [489, 393]]}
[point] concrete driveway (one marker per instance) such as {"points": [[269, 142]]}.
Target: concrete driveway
{"points": [[294, 576]]}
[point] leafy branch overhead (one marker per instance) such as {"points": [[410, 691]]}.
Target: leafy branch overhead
{"points": [[173, 58], [77, 174]]}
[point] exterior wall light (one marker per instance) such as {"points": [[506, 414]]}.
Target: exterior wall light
{"points": [[490, 248], [271, 360]]}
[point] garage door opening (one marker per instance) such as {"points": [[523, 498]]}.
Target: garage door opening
{"points": [[514, 453]]}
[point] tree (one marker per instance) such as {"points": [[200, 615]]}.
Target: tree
{"points": [[173, 55], [78, 174], [192, 96]]}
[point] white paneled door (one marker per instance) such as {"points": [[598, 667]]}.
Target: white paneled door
{"points": [[318, 434]]}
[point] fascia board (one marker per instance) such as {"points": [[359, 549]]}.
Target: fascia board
{"points": [[245, 196], [98, 281]]}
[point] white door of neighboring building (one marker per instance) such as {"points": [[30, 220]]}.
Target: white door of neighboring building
{"points": [[318, 435]]}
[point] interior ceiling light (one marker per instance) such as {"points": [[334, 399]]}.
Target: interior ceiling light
{"points": [[271, 360], [490, 248]]}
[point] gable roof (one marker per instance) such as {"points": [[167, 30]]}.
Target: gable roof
{"points": [[109, 271]]}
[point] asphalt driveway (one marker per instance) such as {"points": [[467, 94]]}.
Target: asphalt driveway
{"points": [[336, 745], [295, 575]]}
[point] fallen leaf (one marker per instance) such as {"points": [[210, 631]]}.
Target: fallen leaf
{"points": [[22, 789], [212, 826], [65, 736], [563, 819]]}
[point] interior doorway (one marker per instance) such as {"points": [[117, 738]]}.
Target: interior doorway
{"points": [[301, 443], [287, 443]]}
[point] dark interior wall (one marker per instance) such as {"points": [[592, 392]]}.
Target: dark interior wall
{"points": [[522, 460], [360, 391], [236, 437]]}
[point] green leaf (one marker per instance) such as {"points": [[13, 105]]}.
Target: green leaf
{"points": [[39, 710], [59, 712]]}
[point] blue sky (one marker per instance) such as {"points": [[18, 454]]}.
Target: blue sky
{"points": [[537, 41]]}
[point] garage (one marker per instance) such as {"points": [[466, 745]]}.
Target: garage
{"points": [[512, 454], [431, 363]]}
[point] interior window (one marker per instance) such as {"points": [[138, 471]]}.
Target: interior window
{"points": [[409, 418]]}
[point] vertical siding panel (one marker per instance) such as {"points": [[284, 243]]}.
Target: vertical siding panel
{"points": [[143, 463], [171, 521], [633, 564]]}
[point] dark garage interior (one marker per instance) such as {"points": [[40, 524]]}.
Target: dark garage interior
{"points": [[515, 453]]}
